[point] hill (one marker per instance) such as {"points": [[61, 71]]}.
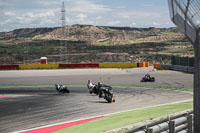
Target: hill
{"points": [[97, 35], [87, 43]]}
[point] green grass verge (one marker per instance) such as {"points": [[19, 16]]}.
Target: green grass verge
{"points": [[126, 118], [8, 94], [38, 85]]}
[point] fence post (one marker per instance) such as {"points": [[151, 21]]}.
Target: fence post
{"points": [[189, 121], [149, 130], [171, 126]]}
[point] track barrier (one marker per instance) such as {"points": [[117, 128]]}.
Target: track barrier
{"points": [[186, 69], [146, 64], [179, 123], [78, 65], [9, 67], [142, 64], [157, 65], [89, 65], [117, 65], [39, 66], [178, 68]]}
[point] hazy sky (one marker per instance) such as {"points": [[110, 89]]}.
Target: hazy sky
{"points": [[15, 14]]}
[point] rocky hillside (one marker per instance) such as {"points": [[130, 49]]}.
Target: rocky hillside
{"points": [[96, 35], [24, 33], [86, 43]]}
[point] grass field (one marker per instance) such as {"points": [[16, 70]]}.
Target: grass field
{"points": [[126, 118], [8, 94]]}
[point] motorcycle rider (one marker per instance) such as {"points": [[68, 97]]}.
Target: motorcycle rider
{"points": [[147, 76], [102, 86], [99, 87], [57, 87], [91, 86], [61, 88]]}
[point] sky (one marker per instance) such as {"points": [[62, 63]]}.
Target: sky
{"points": [[15, 14]]}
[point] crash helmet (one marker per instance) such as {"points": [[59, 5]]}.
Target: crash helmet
{"points": [[89, 81], [57, 85], [100, 83], [147, 75]]}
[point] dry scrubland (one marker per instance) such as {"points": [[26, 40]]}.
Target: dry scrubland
{"points": [[86, 43]]}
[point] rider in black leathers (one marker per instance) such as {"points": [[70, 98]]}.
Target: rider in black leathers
{"points": [[61, 88], [101, 86]]}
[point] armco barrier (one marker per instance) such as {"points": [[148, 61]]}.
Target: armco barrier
{"points": [[39, 66], [117, 65], [180, 123], [78, 65], [9, 67]]}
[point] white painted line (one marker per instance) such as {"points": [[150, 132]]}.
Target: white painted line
{"points": [[102, 115]]}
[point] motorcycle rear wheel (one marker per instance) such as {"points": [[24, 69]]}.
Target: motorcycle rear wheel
{"points": [[109, 99]]}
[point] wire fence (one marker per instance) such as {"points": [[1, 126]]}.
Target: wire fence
{"points": [[186, 15], [189, 10]]}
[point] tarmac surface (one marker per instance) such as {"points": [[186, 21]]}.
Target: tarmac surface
{"points": [[48, 107], [130, 76]]}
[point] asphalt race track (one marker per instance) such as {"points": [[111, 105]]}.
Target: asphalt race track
{"points": [[48, 107], [107, 76]]}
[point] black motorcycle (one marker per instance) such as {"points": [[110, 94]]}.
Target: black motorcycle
{"points": [[148, 78], [106, 92], [62, 89]]}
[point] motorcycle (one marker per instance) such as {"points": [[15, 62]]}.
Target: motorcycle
{"points": [[93, 88], [62, 89], [106, 92], [148, 78]]}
